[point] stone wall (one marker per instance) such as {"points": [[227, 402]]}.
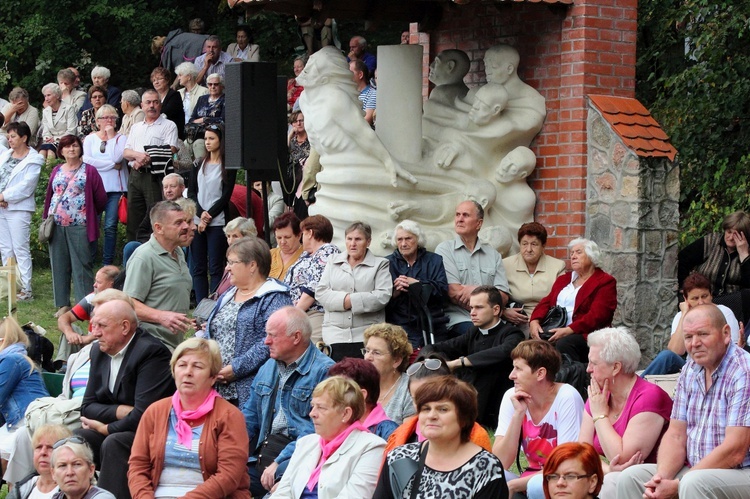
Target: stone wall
{"points": [[632, 213]]}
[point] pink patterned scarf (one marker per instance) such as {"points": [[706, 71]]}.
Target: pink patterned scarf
{"points": [[184, 432]]}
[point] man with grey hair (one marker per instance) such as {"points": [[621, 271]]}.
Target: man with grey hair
{"points": [[157, 276], [213, 60], [273, 416], [358, 51], [469, 263], [129, 371], [144, 185]]}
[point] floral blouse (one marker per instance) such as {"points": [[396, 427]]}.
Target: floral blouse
{"points": [[87, 124], [69, 202], [304, 275]]}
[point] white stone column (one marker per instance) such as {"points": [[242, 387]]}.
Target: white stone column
{"points": [[399, 108]]}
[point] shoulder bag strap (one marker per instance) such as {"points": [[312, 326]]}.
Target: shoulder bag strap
{"points": [[418, 475]]}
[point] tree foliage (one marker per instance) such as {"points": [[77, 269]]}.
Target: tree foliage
{"points": [[694, 74]]}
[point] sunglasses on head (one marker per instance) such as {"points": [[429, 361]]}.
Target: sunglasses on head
{"points": [[431, 364], [75, 439]]}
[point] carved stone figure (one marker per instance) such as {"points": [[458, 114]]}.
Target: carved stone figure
{"points": [[474, 147]]}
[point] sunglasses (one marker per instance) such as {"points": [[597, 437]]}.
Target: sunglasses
{"points": [[75, 439], [103, 146], [431, 364]]}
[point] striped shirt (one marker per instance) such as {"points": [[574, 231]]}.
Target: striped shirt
{"points": [[707, 414]]}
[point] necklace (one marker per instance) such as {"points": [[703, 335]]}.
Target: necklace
{"points": [[385, 395], [250, 292]]}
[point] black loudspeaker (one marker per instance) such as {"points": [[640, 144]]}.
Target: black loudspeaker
{"points": [[256, 124]]}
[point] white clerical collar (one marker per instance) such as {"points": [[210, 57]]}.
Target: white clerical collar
{"points": [[485, 332]]}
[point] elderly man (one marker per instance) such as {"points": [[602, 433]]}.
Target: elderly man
{"points": [[367, 94], [100, 78], [213, 60], [482, 355], [705, 451], [277, 410], [129, 371], [469, 263], [157, 277], [358, 51], [144, 185]]}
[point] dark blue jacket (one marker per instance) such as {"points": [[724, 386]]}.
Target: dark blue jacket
{"points": [[428, 269]]}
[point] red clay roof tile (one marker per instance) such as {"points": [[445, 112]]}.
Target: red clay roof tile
{"points": [[635, 125]]}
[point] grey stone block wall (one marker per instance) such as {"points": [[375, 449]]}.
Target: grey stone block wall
{"points": [[632, 214]]}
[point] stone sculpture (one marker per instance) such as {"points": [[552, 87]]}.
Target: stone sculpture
{"points": [[474, 146]]}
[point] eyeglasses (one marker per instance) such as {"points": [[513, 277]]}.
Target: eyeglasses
{"points": [[231, 263], [298, 121], [568, 477], [375, 353], [75, 439], [214, 128], [431, 364], [103, 146], [213, 84]]}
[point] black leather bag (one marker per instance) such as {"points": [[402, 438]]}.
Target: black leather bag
{"points": [[556, 317], [270, 449]]}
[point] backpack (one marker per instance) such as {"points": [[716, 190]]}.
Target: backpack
{"points": [[41, 350]]}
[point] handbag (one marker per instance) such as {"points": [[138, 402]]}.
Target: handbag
{"points": [[47, 227], [203, 311], [556, 317], [122, 204], [270, 449]]}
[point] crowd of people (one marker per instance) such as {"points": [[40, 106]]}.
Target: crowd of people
{"points": [[318, 371]]}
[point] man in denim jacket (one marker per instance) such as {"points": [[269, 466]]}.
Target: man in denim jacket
{"points": [[289, 377]]}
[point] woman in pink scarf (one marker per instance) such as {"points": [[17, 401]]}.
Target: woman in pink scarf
{"points": [[193, 444], [342, 459]]}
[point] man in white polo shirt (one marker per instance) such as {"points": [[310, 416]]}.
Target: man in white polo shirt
{"points": [[144, 185]]}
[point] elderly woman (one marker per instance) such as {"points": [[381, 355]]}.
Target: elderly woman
{"points": [[299, 150], [103, 150], [410, 264], [537, 412], [354, 290], [19, 173], [187, 75], [286, 229], [171, 103], [193, 444], [434, 364], [531, 274], [303, 276], [453, 466], [294, 89], [100, 77], [573, 471], [88, 122], [131, 111], [75, 198], [244, 49], [588, 295], [389, 350], [20, 384], [234, 230], [71, 96], [58, 120], [238, 321], [366, 376], [625, 416], [73, 470], [19, 110], [208, 110], [342, 459], [722, 256], [40, 482], [211, 185]]}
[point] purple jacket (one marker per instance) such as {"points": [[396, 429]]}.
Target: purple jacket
{"points": [[96, 199]]}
